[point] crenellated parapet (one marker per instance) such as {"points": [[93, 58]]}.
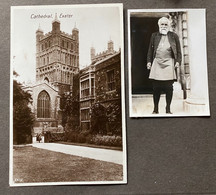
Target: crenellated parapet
{"points": [[95, 57]]}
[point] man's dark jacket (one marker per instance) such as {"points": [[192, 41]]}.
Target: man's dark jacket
{"points": [[174, 43]]}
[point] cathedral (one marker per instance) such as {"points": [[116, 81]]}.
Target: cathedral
{"points": [[58, 75], [57, 60]]}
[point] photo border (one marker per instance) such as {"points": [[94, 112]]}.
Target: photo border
{"points": [[129, 12], [124, 147]]}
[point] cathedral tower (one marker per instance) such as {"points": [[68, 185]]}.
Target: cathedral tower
{"points": [[57, 56]]}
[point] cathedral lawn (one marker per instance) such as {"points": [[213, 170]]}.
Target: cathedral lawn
{"points": [[38, 165]]}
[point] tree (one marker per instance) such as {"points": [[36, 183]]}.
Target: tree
{"points": [[98, 119], [114, 117], [70, 107], [23, 118], [70, 111], [106, 119]]}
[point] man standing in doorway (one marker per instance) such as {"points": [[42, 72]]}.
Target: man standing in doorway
{"points": [[163, 58]]}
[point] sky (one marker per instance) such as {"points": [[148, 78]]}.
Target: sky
{"points": [[97, 24]]}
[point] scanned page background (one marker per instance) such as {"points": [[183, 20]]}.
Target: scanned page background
{"points": [[164, 155]]}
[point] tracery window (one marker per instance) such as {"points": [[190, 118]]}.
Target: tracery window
{"points": [[43, 105]]}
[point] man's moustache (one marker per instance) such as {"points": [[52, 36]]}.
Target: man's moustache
{"points": [[163, 31]]}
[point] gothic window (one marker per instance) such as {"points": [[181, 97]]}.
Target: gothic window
{"points": [[47, 60], [68, 77], [110, 80], [65, 58], [43, 105], [74, 61], [71, 46], [62, 43]]}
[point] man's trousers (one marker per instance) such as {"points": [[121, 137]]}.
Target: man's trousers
{"points": [[160, 87]]}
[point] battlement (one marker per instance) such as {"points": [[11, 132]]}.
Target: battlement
{"points": [[102, 55], [46, 35], [66, 34]]}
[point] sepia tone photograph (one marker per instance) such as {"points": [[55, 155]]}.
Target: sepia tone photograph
{"points": [[167, 63], [67, 120]]}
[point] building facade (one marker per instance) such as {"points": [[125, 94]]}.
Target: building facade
{"points": [[100, 83]]}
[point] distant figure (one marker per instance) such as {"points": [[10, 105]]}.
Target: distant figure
{"points": [[38, 137], [164, 57]]}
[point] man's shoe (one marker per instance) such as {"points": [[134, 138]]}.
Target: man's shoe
{"points": [[168, 110], [155, 112]]}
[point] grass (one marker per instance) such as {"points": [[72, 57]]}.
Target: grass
{"points": [[39, 165]]}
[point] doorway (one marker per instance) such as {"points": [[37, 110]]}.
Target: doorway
{"points": [[141, 31]]}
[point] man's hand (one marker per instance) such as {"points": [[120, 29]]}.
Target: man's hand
{"points": [[149, 66], [176, 65]]}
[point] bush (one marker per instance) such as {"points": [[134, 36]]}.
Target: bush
{"points": [[107, 140], [76, 136], [54, 137], [87, 137]]}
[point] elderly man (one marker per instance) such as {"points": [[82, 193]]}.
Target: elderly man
{"points": [[164, 56]]}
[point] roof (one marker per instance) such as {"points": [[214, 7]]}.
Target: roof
{"points": [[39, 84], [107, 58]]}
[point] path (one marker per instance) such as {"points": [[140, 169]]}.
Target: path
{"points": [[113, 156]]}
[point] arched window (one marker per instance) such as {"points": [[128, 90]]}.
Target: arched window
{"points": [[46, 80], [65, 58], [43, 105]]}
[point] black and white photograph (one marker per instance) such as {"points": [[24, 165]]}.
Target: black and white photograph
{"points": [[167, 63], [67, 112]]}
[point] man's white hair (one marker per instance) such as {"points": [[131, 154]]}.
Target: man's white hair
{"points": [[164, 18]]}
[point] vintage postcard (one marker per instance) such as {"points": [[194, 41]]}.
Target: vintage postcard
{"points": [[67, 95], [167, 63]]}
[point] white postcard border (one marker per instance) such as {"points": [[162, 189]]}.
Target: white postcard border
{"points": [[124, 181], [129, 12]]}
